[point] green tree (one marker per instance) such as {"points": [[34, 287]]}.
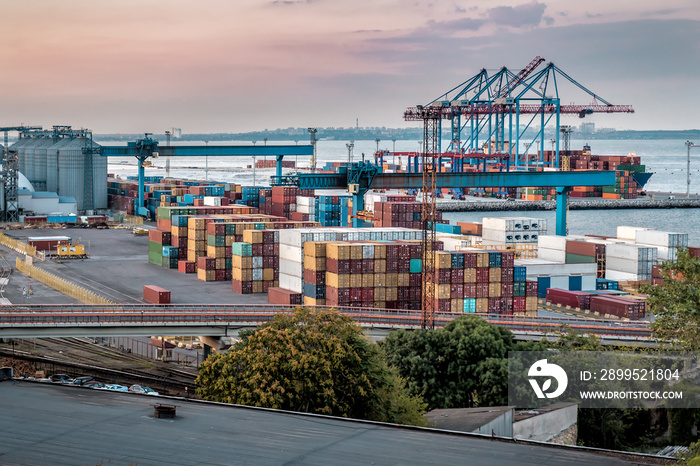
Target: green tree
{"points": [[676, 303], [459, 366], [310, 361]]}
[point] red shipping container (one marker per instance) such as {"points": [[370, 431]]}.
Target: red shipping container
{"points": [[456, 291], [156, 295], [157, 236], [186, 267], [206, 263], [507, 259], [415, 280], [507, 274], [470, 290], [220, 275], [574, 299], [245, 287], [530, 288], [519, 304], [506, 290], [482, 275], [482, 290], [457, 276]]}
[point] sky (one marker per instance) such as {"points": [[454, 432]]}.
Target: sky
{"points": [[132, 66]]}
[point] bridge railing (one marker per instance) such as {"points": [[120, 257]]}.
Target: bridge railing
{"points": [[59, 284]]}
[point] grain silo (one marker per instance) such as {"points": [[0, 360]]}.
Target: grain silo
{"points": [[72, 175], [40, 166]]}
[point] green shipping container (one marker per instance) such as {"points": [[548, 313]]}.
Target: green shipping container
{"points": [[578, 259], [155, 258], [416, 266], [242, 249]]}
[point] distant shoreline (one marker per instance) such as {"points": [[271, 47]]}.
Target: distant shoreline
{"points": [[574, 204]]}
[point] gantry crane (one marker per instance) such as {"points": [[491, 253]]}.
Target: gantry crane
{"points": [[10, 175]]}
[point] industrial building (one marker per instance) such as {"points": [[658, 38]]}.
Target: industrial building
{"points": [[66, 162]]}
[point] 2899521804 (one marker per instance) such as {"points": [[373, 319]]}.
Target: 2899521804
{"points": [[639, 374]]}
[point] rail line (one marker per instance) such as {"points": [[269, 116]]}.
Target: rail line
{"points": [[61, 320]]}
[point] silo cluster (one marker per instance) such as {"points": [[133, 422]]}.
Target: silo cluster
{"points": [[54, 161]]}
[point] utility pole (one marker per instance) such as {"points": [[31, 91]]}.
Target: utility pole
{"points": [[687, 168], [167, 159], [206, 162], [350, 147]]}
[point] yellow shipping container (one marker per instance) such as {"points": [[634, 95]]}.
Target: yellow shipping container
{"points": [[269, 274], [356, 251], [380, 266], [482, 305], [335, 280], [367, 280], [392, 281], [178, 231], [220, 263], [379, 293], [257, 286], [443, 260], [443, 291], [379, 280], [315, 249], [309, 301], [338, 251], [317, 264], [379, 304], [482, 259], [356, 280], [239, 262], [403, 279], [469, 275], [230, 239], [197, 223], [216, 251], [531, 303], [457, 306], [206, 275], [494, 290], [391, 293], [495, 274], [243, 275], [379, 250], [253, 236]]}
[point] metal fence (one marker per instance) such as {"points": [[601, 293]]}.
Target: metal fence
{"points": [[21, 247], [147, 350], [74, 291]]}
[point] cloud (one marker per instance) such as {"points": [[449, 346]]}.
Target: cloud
{"points": [[455, 25], [528, 14]]}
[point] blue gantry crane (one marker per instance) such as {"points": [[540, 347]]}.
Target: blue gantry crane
{"points": [[358, 178], [482, 108], [147, 147]]}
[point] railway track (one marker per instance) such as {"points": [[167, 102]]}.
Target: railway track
{"points": [[82, 356]]}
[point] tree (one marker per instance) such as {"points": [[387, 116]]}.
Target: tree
{"points": [[310, 361], [676, 303], [459, 366]]}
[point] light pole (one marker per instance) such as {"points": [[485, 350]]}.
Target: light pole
{"points": [[312, 138], [350, 147], [687, 190], [393, 151]]}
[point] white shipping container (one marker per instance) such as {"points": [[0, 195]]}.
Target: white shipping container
{"points": [[291, 253], [624, 232], [666, 254], [257, 274], [541, 267], [257, 262], [552, 242], [661, 238], [306, 201], [628, 265], [292, 268], [212, 201], [306, 209], [631, 251], [554, 255], [622, 276], [291, 283]]}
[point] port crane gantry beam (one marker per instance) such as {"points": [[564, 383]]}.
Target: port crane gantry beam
{"points": [[362, 176], [147, 147]]}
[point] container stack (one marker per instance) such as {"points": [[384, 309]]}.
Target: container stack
{"points": [[306, 208], [250, 196], [629, 262], [618, 306], [256, 260], [332, 210], [666, 243], [156, 240], [511, 230], [284, 200], [552, 248], [398, 214], [573, 299], [372, 198]]}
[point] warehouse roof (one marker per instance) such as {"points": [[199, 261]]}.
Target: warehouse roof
{"points": [[45, 423]]}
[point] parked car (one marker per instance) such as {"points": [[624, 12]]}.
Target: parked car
{"points": [[61, 378], [94, 384], [83, 380], [115, 387], [143, 389]]}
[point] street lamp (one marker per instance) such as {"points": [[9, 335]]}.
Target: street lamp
{"points": [[687, 190], [350, 146]]}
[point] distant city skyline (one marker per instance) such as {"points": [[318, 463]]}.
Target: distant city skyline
{"points": [[220, 66]]}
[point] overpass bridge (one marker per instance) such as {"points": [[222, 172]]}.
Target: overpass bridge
{"points": [[219, 320]]}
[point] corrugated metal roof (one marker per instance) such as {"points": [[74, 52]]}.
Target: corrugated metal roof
{"points": [[44, 195], [673, 451]]}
